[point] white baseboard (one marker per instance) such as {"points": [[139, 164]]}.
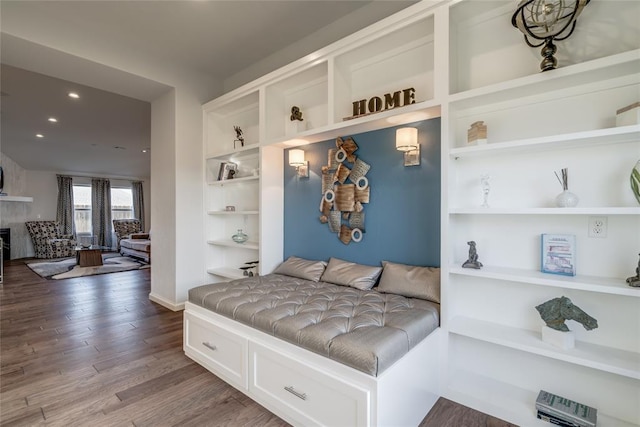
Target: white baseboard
{"points": [[165, 303]]}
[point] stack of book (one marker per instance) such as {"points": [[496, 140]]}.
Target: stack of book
{"points": [[564, 412]]}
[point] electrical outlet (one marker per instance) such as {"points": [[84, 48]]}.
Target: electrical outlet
{"points": [[598, 226]]}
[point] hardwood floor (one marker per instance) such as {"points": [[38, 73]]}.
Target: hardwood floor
{"points": [[95, 351]]}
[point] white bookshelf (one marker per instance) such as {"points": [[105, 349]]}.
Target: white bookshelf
{"points": [[538, 123], [615, 361], [547, 211], [228, 273], [248, 245], [605, 285], [610, 136], [507, 401], [467, 63]]}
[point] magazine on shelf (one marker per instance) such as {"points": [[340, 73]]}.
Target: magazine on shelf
{"points": [[561, 411], [559, 254]]}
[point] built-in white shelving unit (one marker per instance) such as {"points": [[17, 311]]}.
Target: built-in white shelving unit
{"points": [[467, 63], [538, 123]]}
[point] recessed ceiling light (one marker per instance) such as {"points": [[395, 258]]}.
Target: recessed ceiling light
{"points": [[73, 95], [53, 120], [145, 150], [39, 135]]}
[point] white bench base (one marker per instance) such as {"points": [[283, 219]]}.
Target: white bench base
{"points": [[305, 388]]}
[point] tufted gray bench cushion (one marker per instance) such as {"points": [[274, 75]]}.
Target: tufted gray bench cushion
{"points": [[365, 330]]}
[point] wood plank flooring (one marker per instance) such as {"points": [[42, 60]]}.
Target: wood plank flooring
{"points": [[95, 351]]}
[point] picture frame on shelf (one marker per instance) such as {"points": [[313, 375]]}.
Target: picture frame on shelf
{"points": [[558, 254], [227, 171]]}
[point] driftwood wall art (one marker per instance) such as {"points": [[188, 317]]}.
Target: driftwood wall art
{"points": [[345, 188]]}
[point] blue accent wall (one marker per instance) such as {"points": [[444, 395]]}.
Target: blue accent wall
{"points": [[402, 219]]}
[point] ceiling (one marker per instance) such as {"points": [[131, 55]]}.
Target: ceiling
{"points": [[219, 39]]}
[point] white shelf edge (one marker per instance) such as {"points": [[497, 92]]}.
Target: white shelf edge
{"points": [[615, 135], [602, 358], [230, 243], [242, 151], [233, 212], [25, 199], [233, 181], [227, 272], [508, 402], [607, 285], [419, 111], [546, 211], [502, 90]]}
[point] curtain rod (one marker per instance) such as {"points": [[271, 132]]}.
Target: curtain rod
{"points": [[103, 177]]}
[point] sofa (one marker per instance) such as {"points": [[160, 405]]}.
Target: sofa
{"points": [[48, 240], [131, 241]]}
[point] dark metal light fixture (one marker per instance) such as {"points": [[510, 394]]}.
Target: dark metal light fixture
{"points": [[547, 20]]}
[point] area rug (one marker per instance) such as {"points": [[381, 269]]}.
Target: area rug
{"points": [[66, 268]]}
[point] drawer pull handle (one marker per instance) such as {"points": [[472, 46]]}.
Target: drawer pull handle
{"points": [[209, 346], [291, 390]]}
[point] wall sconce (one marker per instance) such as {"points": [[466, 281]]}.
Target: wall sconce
{"points": [[296, 159], [407, 141]]}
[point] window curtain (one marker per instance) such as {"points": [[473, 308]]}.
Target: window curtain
{"points": [[138, 202], [64, 213], [101, 211]]}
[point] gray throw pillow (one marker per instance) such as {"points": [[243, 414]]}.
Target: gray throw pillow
{"points": [[347, 273], [411, 281], [301, 268]]}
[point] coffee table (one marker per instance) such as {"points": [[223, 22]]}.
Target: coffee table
{"points": [[89, 256]]}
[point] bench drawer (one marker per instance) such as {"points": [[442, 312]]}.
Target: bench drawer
{"points": [[309, 395], [222, 352]]}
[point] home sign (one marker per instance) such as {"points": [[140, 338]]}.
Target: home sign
{"points": [[387, 101]]}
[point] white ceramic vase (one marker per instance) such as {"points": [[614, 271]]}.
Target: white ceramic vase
{"points": [[566, 199]]}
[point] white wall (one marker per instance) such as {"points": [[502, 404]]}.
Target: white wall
{"points": [[43, 187], [163, 212], [189, 196]]}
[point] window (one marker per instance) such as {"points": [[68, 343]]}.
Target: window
{"points": [[82, 208], [121, 206], [121, 203]]}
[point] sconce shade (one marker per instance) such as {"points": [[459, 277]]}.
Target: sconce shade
{"points": [[406, 139], [296, 158]]}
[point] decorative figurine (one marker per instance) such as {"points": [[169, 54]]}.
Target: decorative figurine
{"points": [[296, 114], [477, 133], [239, 137], [555, 311], [634, 281], [484, 183], [472, 262]]}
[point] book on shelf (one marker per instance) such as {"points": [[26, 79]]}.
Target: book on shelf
{"points": [[558, 254], [564, 412], [555, 420]]}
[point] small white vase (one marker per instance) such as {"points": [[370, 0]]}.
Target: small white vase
{"points": [[566, 199]]}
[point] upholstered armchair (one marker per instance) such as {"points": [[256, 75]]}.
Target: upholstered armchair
{"points": [[124, 228], [131, 240], [48, 240]]}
